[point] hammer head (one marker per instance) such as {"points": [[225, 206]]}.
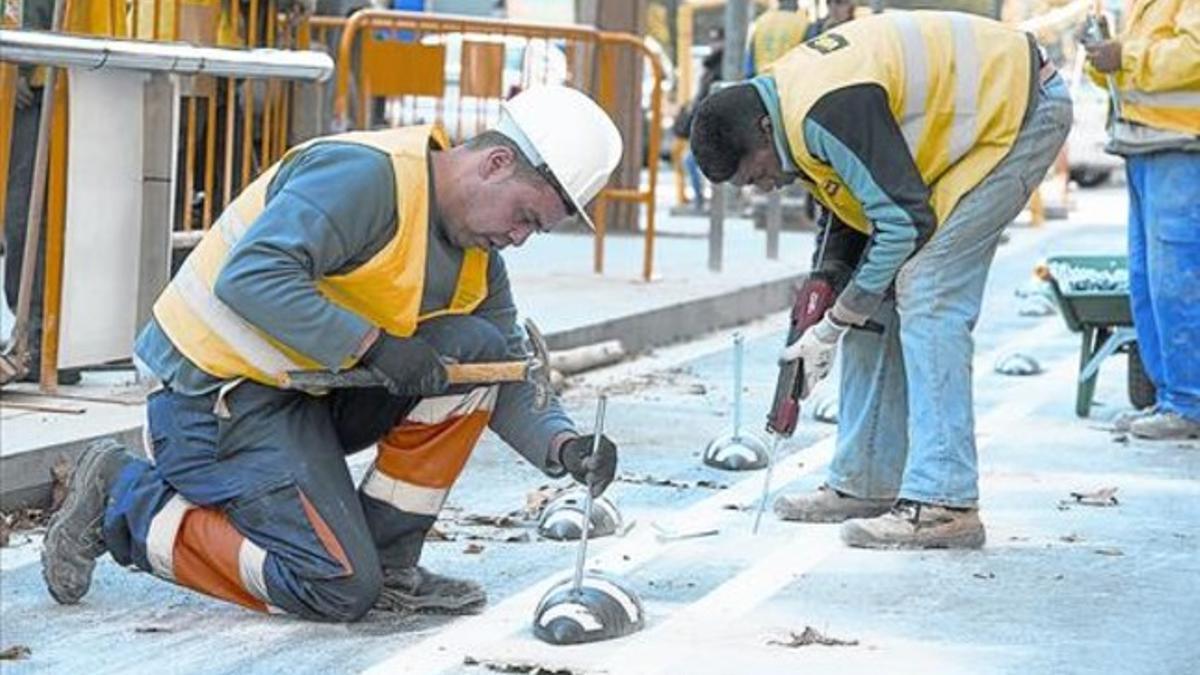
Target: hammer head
{"points": [[538, 371]]}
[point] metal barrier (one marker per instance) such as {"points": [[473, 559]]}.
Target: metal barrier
{"points": [[204, 73], [456, 70]]}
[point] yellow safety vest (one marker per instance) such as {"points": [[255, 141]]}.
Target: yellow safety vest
{"points": [[775, 32], [1159, 79], [386, 290], [958, 86]]}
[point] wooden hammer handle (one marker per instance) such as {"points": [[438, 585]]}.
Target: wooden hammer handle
{"points": [[486, 373]]}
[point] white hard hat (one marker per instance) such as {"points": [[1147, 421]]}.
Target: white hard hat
{"points": [[562, 131]]}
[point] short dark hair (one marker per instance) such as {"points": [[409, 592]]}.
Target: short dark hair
{"points": [[725, 129], [491, 138]]}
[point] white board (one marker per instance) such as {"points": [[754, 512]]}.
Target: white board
{"points": [[104, 213]]}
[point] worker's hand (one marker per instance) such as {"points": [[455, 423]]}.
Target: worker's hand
{"points": [[25, 95], [1105, 56], [596, 470], [816, 349], [410, 366]]}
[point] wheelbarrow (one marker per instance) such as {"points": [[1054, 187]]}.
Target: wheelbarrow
{"points": [[1101, 314]]}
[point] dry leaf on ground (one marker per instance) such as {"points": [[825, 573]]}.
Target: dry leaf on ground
{"points": [[1102, 497], [15, 653], [60, 480], [811, 636], [516, 667]]}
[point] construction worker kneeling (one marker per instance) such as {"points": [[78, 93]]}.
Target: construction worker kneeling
{"points": [[378, 249], [923, 133]]}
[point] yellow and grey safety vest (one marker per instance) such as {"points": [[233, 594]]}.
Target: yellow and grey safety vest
{"points": [[957, 85], [386, 290]]}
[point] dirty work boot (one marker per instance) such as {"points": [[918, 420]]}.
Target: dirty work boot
{"points": [[915, 525], [1165, 426], [827, 505], [1123, 421], [416, 589], [73, 537]]}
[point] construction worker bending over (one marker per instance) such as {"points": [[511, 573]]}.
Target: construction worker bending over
{"points": [[1155, 66], [376, 248], [925, 133]]}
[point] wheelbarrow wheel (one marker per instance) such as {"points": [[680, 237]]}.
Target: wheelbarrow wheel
{"points": [[1141, 390]]}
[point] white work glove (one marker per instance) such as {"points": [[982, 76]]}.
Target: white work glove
{"points": [[816, 347]]}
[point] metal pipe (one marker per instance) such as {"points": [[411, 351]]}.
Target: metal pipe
{"points": [[73, 51]]}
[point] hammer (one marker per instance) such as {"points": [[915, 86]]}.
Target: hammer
{"points": [[535, 370]]}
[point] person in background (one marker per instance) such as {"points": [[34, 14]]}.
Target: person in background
{"points": [[1155, 65]]}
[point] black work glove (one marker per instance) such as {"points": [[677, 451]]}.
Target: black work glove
{"points": [[409, 365], [597, 471]]}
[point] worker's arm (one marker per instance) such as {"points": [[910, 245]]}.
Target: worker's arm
{"points": [[839, 248], [533, 433], [853, 131], [326, 211]]}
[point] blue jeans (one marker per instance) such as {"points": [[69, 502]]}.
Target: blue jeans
{"points": [[906, 425], [1164, 274], [696, 178]]}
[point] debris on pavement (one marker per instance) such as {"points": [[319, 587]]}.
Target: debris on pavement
{"points": [[811, 636], [647, 479], [151, 629], [15, 653], [516, 667], [1111, 550], [1017, 364], [1102, 497], [60, 479], [1036, 305], [473, 549], [26, 519], [1071, 538], [537, 499], [664, 534], [984, 575]]}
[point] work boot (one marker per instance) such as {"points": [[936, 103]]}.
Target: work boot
{"points": [[827, 505], [416, 589], [915, 525], [1165, 426], [1123, 421], [74, 538]]}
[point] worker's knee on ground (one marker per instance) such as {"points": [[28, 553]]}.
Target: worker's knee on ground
{"points": [[466, 339], [347, 598]]}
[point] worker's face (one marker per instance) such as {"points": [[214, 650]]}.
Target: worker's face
{"points": [[506, 207], [761, 167]]}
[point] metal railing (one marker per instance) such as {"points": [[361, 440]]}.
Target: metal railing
{"points": [[205, 73], [456, 71]]}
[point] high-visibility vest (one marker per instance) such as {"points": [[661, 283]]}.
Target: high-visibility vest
{"points": [[957, 85], [386, 290], [775, 32], [1159, 79]]}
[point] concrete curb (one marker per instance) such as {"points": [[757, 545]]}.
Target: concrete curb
{"points": [[25, 477]]}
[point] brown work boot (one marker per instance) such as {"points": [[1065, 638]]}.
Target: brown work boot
{"points": [[915, 525], [827, 505], [1165, 426], [416, 589], [74, 538]]}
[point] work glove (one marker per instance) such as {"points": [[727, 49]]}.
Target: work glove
{"points": [[409, 366], [816, 349], [596, 471]]}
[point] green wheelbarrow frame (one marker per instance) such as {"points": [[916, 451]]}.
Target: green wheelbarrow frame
{"points": [[1103, 318]]}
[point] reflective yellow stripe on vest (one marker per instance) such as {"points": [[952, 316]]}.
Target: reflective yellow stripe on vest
{"points": [[932, 66], [386, 290]]}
